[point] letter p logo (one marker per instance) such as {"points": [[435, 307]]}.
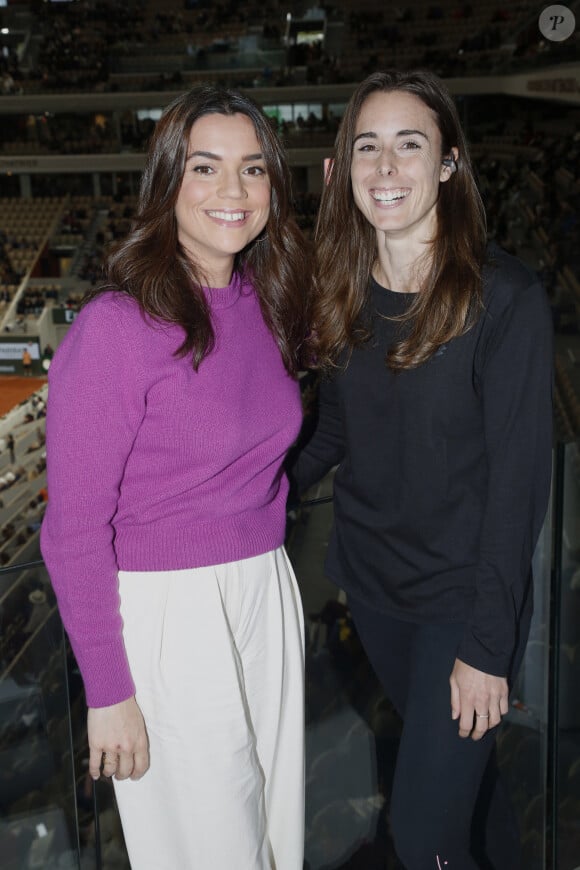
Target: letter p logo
{"points": [[557, 23]]}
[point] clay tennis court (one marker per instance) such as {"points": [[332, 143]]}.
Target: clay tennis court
{"points": [[14, 389]]}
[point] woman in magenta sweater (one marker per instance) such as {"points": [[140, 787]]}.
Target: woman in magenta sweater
{"points": [[173, 401]]}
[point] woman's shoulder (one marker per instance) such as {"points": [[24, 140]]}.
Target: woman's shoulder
{"points": [[514, 297], [111, 312], [508, 281], [110, 304], [505, 270], [107, 321]]}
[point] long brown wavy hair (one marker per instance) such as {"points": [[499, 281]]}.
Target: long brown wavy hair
{"points": [[151, 265], [449, 300]]}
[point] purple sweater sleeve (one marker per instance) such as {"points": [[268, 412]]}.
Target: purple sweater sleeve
{"points": [[95, 406]]}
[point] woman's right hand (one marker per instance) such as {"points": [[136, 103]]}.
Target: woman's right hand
{"points": [[118, 733]]}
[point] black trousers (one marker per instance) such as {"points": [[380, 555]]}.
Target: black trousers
{"points": [[447, 796]]}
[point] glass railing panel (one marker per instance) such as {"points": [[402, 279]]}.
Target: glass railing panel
{"points": [[105, 835], [352, 731], [38, 820], [523, 738], [566, 630], [48, 803]]}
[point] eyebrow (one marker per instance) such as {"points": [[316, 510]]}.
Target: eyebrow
{"points": [[371, 135], [247, 158]]}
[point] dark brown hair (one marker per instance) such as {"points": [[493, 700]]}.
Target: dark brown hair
{"points": [[151, 265], [450, 297]]}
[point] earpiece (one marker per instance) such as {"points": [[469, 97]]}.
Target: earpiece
{"points": [[450, 162]]}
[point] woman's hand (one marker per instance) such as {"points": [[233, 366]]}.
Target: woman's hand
{"points": [[118, 741], [478, 700]]}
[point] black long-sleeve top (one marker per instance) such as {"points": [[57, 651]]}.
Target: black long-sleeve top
{"points": [[444, 470]]}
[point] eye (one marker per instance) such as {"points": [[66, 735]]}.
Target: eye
{"points": [[255, 171], [410, 145], [367, 147], [203, 169]]}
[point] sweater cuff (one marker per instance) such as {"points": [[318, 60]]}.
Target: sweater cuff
{"points": [[472, 652], [106, 675]]}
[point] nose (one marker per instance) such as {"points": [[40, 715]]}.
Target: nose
{"points": [[386, 164], [232, 185]]}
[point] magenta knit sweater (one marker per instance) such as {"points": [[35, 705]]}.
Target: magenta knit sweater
{"points": [[153, 466]]}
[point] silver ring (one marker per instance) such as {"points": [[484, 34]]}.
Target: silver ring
{"points": [[482, 715]]}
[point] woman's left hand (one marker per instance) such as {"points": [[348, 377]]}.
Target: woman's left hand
{"points": [[478, 700], [118, 741]]}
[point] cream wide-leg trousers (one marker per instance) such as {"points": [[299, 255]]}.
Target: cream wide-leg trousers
{"points": [[217, 656]]}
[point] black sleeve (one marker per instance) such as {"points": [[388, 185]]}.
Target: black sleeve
{"points": [[516, 386], [325, 449]]}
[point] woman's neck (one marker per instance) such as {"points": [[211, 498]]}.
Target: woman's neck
{"points": [[400, 266]]}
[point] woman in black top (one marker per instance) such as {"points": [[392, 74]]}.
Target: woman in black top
{"points": [[436, 407]]}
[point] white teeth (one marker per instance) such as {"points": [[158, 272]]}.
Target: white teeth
{"points": [[228, 215], [390, 196]]}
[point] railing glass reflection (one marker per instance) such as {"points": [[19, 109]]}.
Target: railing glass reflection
{"points": [[38, 821], [564, 684]]}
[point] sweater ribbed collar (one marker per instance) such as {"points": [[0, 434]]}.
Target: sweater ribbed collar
{"points": [[224, 297]]}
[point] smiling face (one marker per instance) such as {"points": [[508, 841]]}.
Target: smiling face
{"points": [[396, 166], [224, 198]]}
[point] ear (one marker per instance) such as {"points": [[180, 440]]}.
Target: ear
{"points": [[449, 164]]}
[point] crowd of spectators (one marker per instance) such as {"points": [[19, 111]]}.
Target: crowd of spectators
{"points": [[92, 133], [9, 274], [63, 134], [112, 227], [453, 39], [85, 45], [74, 219], [34, 298], [23, 492]]}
